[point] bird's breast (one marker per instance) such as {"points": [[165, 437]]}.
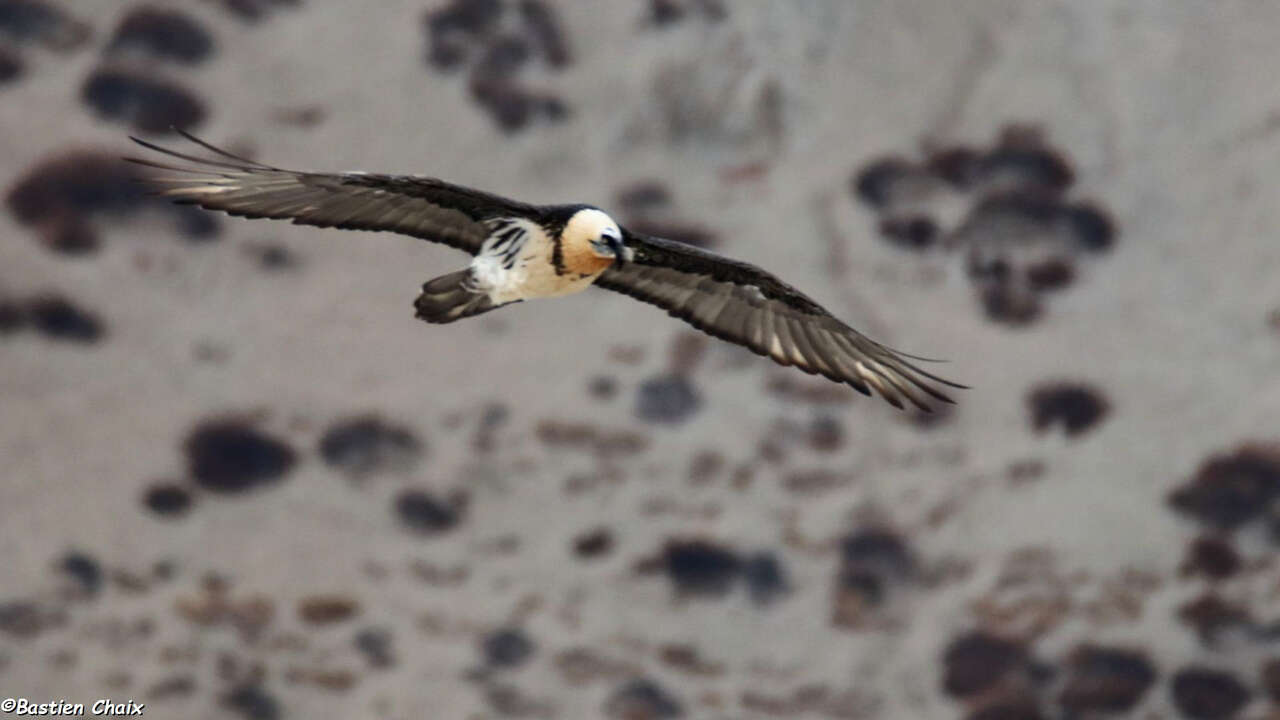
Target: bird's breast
{"points": [[580, 259], [527, 265]]}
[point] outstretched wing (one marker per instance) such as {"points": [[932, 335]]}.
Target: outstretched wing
{"points": [[422, 207], [743, 304]]}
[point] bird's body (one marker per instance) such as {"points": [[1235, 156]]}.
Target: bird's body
{"points": [[523, 259], [522, 252]]}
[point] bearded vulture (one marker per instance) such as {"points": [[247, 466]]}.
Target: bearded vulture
{"points": [[522, 251]]}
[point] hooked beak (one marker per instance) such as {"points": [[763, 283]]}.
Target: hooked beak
{"points": [[621, 252]]}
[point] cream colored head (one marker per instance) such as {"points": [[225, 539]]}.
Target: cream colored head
{"points": [[593, 230]]}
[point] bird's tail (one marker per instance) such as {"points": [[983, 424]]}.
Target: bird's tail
{"points": [[451, 297]]}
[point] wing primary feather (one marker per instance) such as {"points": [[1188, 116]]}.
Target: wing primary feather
{"points": [[193, 158], [775, 342], [224, 153], [929, 375], [875, 365], [864, 367], [805, 346], [848, 373], [823, 352], [792, 344], [903, 387], [709, 308], [898, 352]]}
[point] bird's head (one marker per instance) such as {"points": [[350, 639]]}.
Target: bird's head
{"points": [[596, 230]]}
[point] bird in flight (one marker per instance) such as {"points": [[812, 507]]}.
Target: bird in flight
{"points": [[522, 251]]}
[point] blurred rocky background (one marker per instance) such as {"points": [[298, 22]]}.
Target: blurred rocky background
{"points": [[240, 480]]}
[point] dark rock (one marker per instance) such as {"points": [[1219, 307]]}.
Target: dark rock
{"points": [[1022, 161], [1013, 709], [84, 570], [251, 702], [144, 102], [603, 387], [368, 445], [273, 257], [69, 236], [447, 47], [163, 34], [510, 107], [687, 659], [1052, 274], [1211, 556], [1270, 678], [424, 513], [890, 181], [13, 316], [1231, 489], [455, 30], [174, 686], [765, 578], [665, 12], [697, 567], [879, 551], [25, 619], [544, 27], [1010, 219], [641, 699], [1093, 229], [76, 183], [42, 22], [991, 269], [826, 433], [508, 700], [911, 232], [60, 195], [590, 437], [976, 661], [327, 609], [958, 166], [1008, 304], [871, 561], [1023, 168], [230, 456], [597, 543], [1102, 679], [503, 57], [1211, 617], [1020, 236], [1206, 694], [375, 644], [472, 16], [11, 65], [705, 467], [667, 399], [57, 318], [1074, 406], [254, 10], [300, 116], [167, 499], [507, 648]]}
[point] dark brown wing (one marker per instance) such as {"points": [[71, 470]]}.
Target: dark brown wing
{"points": [[422, 207], [743, 304]]}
